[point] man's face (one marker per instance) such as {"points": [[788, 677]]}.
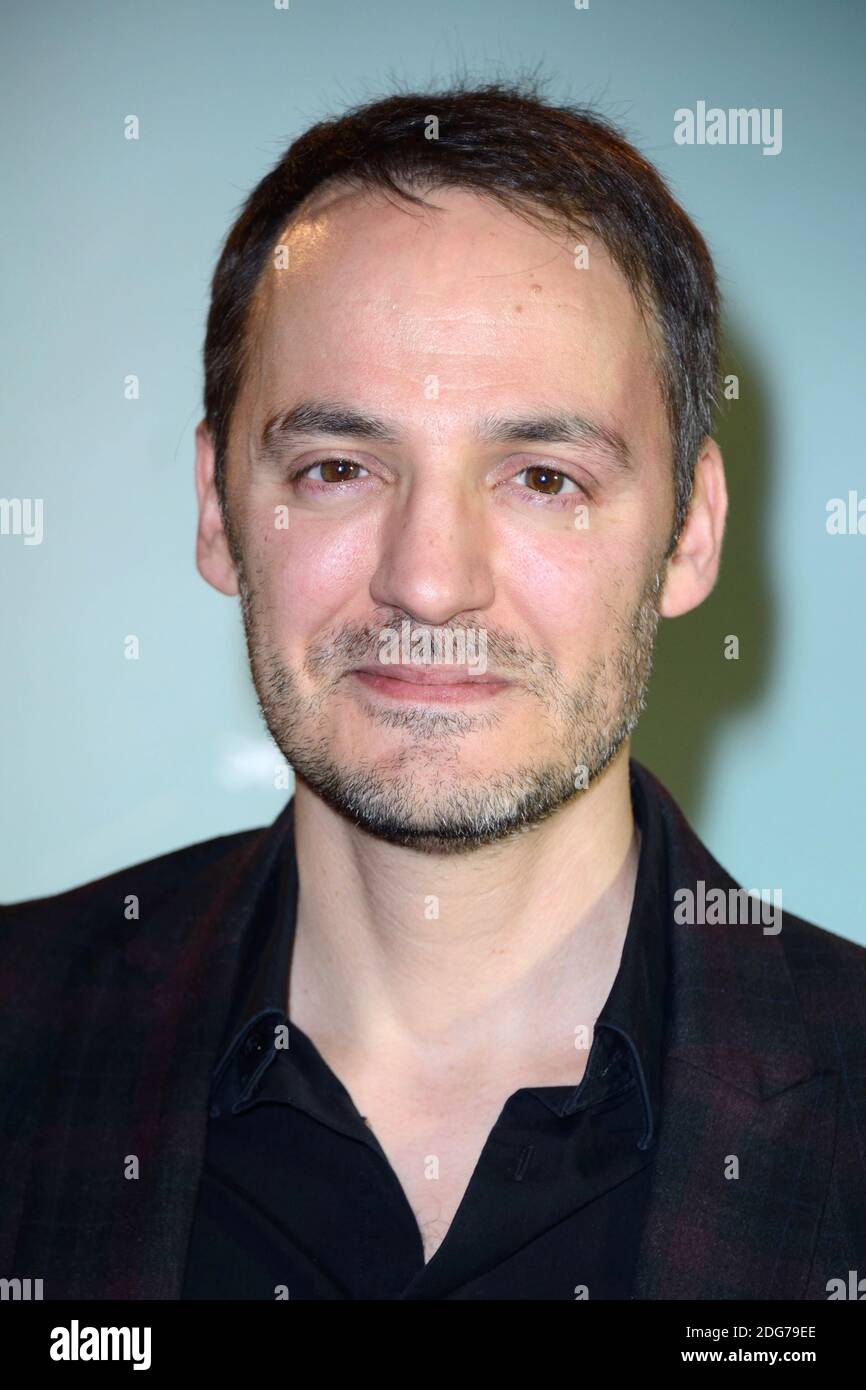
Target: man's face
{"points": [[543, 556]]}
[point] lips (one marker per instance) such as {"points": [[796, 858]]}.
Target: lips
{"points": [[430, 675], [428, 685]]}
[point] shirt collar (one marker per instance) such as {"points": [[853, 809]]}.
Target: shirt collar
{"points": [[633, 1017], [636, 1008], [259, 998]]}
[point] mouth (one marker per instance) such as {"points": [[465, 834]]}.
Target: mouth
{"points": [[429, 684]]}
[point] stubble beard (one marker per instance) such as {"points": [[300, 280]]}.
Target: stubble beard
{"points": [[423, 796]]}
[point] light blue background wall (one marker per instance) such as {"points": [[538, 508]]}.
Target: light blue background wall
{"points": [[109, 245]]}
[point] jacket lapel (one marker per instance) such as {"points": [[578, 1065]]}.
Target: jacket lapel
{"points": [[747, 1124]]}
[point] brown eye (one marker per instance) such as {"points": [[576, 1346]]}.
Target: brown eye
{"points": [[336, 470], [545, 480]]}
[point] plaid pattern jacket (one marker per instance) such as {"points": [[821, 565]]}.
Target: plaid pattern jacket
{"points": [[110, 1025]]}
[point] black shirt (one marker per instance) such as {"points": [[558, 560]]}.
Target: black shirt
{"points": [[298, 1200]]}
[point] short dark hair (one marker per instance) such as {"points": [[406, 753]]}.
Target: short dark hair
{"points": [[561, 166]]}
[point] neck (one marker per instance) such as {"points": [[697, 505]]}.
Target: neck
{"points": [[499, 954]]}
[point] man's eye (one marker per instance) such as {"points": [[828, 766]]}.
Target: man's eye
{"points": [[334, 470], [547, 480]]}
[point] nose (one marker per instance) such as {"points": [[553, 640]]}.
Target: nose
{"points": [[435, 561]]}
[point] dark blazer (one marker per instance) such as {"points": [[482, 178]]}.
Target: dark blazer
{"points": [[110, 1026]]}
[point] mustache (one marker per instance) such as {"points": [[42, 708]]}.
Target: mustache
{"points": [[353, 646]]}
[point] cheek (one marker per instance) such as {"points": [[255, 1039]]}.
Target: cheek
{"points": [[308, 570], [567, 596]]}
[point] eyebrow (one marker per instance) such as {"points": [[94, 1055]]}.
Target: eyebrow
{"points": [[309, 418]]}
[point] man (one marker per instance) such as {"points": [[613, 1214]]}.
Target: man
{"points": [[478, 1017]]}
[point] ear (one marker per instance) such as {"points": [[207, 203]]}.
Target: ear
{"points": [[212, 551], [693, 568]]}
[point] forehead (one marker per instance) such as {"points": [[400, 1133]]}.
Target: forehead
{"points": [[375, 298]]}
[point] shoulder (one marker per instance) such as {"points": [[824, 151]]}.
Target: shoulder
{"points": [[811, 951], [761, 967], [63, 916], [817, 952], [137, 937], [828, 973]]}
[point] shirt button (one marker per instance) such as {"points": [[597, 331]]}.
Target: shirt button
{"points": [[252, 1045], [215, 1112]]}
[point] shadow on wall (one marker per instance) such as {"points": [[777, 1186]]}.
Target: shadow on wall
{"points": [[694, 688]]}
